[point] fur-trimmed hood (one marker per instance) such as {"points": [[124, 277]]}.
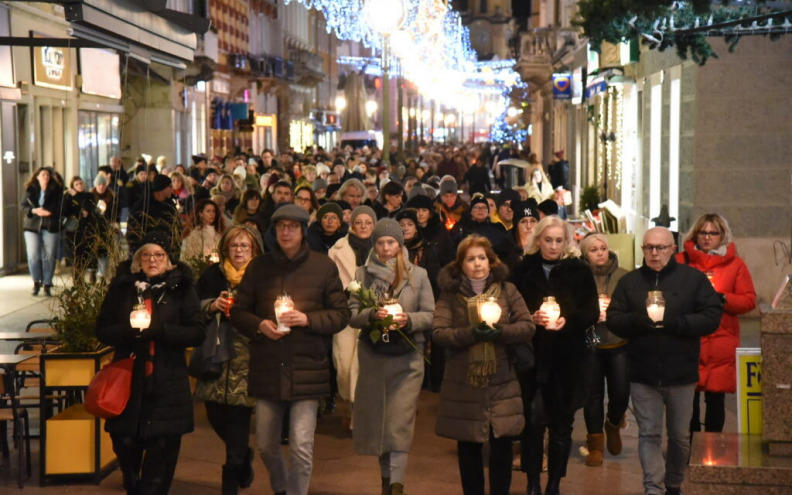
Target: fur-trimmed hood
{"points": [[450, 277]]}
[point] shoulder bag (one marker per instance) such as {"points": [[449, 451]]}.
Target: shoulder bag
{"points": [[108, 393], [208, 359]]}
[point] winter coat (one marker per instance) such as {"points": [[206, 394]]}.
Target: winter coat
{"points": [[153, 215], [297, 366], [669, 355], [466, 413], [95, 229], [161, 404], [425, 255], [200, 242], [454, 214], [606, 277], [53, 197], [730, 277], [477, 178], [436, 235], [321, 243], [232, 386], [560, 354], [388, 387], [496, 233]]}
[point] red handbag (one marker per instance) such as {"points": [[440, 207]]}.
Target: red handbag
{"points": [[108, 393]]}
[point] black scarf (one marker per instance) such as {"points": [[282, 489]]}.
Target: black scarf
{"points": [[361, 248]]}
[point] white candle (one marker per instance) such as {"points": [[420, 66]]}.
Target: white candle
{"points": [[655, 312], [490, 311], [552, 310], [102, 206], [139, 317], [214, 256], [393, 307], [283, 304]]}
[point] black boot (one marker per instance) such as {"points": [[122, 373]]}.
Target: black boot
{"points": [[534, 486], [48, 290], [230, 479], [36, 288], [246, 470], [557, 458], [553, 486]]}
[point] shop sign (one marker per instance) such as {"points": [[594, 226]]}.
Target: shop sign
{"points": [[101, 72], [52, 67], [596, 87], [562, 86], [749, 391], [265, 120]]}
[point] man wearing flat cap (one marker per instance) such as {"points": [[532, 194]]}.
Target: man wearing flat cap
{"points": [[289, 370], [156, 211]]}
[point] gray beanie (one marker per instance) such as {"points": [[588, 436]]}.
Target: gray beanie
{"points": [[363, 210], [448, 186], [417, 190], [388, 227], [330, 207], [100, 179], [290, 212], [319, 184]]}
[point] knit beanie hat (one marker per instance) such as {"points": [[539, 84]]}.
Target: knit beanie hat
{"points": [[448, 185], [388, 227], [100, 179], [329, 207], [319, 184], [363, 210], [507, 195], [420, 201], [590, 239], [409, 214], [548, 207], [160, 183], [478, 198], [417, 190], [160, 237]]}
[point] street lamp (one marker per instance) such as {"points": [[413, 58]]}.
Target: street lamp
{"points": [[385, 17]]}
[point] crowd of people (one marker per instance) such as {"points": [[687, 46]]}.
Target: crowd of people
{"points": [[333, 280]]}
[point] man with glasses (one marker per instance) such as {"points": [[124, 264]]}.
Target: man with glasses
{"points": [[289, 370], [663, 355]]}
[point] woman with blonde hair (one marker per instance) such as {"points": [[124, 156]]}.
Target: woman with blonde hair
{"points": [[391, 367], [227, 187], [539, 187], [557, 386], [708, 247], [480, 399]]}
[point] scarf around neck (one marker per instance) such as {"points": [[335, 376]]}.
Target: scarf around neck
{"points": [[482, 362], [233, 275]]}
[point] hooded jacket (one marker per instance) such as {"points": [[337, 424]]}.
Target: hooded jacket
{"points": [[730, 277], [466, 413], [176, 323], [667, 355]]}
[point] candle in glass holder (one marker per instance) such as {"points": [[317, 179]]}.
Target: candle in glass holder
{"points": [[214, 256], [102, 206], [655, 305], [139, 317], [393, 307], [604, 302], [230, 298], [283, 304], [553, 311], [489, 311]]}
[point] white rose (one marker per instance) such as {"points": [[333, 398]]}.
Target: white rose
{"points": [[354, 286]]}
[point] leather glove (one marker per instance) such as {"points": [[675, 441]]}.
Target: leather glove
{"points": [[485, 333]]}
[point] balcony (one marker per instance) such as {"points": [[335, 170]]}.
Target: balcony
{"points": [[540, 49]]}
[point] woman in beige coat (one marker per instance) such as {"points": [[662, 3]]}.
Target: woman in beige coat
{"points": [[350, 252], [480, 399]]}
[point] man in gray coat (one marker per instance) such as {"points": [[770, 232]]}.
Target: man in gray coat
{"points": [[289, 369]]}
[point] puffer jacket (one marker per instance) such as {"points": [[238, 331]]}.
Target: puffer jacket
{"points": [[296, 366], [466, 413], [730, 277], [161, 405]]}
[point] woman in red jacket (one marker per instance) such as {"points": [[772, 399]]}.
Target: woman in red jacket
{"points": [[709, 248]]}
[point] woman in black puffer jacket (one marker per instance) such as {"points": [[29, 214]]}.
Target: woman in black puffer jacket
{"points": [[147, 435]]}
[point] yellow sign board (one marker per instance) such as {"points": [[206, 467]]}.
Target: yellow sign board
{"points": [[52, 67], [749, 391], [265, 120]]}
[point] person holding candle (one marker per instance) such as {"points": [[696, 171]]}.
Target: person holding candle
{"points": [[228, 405], [348, 253], [662, 356], [147, 435], [392, 368], [609, 362], [557, 386], [478, 316], [708, 247], [289, 370], [206, 234]]}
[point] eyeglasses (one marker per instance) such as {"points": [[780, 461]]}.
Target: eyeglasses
{"points": [[150, 256], [712, 233], [302, 199], [480, 207], [660, 249], [363, 223], [289, 227], [241, 247]]}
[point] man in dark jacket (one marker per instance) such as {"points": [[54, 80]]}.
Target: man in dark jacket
{"points": [[663, 354], [158, 212], [289, 369]]}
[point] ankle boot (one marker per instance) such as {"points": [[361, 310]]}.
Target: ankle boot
{"points": [[595, 444], [534, 486], [613, 435], [553, 486], [230, 480], [36, 288], [397, 489], [48, 290], [246, 470], [386, 486]]}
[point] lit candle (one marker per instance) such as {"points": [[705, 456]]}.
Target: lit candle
{"points": [[553, 311], [604, 302], [711, 277], [393, 307], [283, 304], [449, 223], [489, 311], [139, 317], [655, 305], [102, 206], [214, 256]]}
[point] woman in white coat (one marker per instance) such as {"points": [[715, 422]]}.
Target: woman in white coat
{"points": [[350, 252]]}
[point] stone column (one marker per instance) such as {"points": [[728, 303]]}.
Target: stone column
{"points": [[776, 339]]}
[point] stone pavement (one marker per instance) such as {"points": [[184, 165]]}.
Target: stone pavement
{"points": [[338, 470]]}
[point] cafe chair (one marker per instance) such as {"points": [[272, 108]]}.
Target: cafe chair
{"points": [[12, 412]]}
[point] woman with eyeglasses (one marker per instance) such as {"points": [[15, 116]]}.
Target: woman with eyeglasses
{"points": [[228, 405], [557, 385], [350, 252], [147, 434], [708, 247], [304, 198]]}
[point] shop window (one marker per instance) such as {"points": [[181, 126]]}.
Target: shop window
{"points": [[98, 139]]}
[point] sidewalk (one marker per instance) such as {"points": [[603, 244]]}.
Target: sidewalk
{"points": [[337, 469]]}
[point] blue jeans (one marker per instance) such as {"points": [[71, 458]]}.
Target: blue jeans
{"points": [[649, 404], [41, 250], [302, 425]]}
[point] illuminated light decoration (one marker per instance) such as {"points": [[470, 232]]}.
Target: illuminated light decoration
{"points": [[340, 103]]}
